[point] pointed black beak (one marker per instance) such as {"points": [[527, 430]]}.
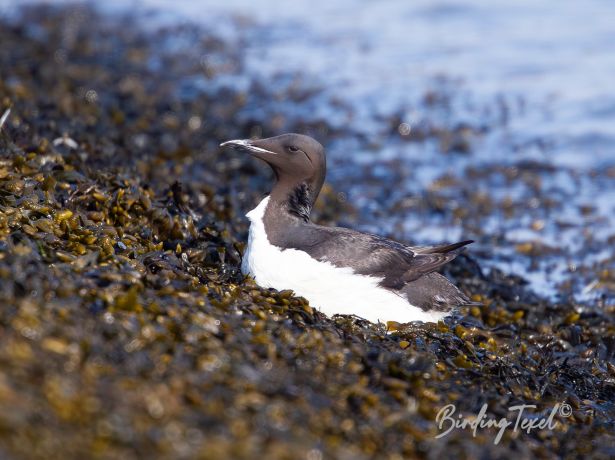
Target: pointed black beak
{"points": [[251, 147]]}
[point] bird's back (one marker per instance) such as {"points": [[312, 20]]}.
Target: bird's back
{"points": [[407, 271]]}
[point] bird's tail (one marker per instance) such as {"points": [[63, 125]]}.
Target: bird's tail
{"points": [[443, 249]]}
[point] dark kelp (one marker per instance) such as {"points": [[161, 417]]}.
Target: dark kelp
{"points": [[126, 330]]}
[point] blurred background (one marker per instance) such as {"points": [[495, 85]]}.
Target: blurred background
{"points": [[126, 328], [443, 119]]}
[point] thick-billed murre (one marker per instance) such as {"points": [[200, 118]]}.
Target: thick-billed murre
{"points": [[338, 270]]}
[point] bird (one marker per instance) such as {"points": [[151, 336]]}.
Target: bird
{"points": [[338, 270]]}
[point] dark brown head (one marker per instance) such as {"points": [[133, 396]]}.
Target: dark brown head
{"points": [[299, 165]]}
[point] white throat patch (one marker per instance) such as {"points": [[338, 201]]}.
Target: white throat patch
{"points": [[331, 289]]}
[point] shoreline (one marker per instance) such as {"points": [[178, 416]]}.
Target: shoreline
{"points": [[128, 330]]}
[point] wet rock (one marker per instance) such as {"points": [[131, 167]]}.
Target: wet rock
{"points": [[128, 330]]}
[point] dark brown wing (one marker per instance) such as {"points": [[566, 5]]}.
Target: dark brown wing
{"points": [[370, 255], [442, 249]]}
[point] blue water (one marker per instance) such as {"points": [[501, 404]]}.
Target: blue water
{"points": [[538, 74], [556, 56]]}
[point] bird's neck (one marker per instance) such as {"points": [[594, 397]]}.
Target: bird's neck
{"points": [[294, 202]]}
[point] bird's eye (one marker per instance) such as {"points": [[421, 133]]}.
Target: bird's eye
{"points": [[292, 148]]}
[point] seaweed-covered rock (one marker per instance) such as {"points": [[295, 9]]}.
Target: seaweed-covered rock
{"points": [[127, 331]]}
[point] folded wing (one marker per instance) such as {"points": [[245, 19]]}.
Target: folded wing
{"points": [[373, 255]]}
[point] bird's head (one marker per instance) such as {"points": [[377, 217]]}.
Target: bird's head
{"points": [[298, 162]]}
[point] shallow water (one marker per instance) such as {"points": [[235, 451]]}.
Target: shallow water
{"points": [[530, 80]]}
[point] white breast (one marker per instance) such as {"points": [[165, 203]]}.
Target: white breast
{"points": [[331, 289]]}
